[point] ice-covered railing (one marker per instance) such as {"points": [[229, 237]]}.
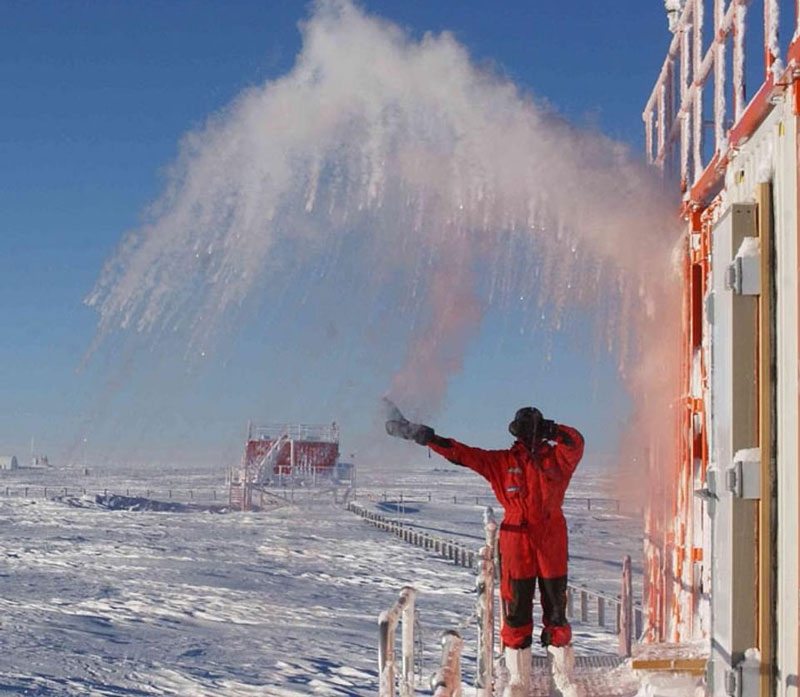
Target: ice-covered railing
{"points": [[485, 606], [446, 681], [326, 433], [674, 114], [403, 610], [615, 613], [177, 492]]}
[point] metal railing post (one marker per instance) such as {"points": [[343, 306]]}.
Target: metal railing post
{"points": [[407, 634], [626, 602], [485, 581], [446, 682], [403, 610]]}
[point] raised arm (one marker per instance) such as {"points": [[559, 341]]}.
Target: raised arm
{"points": [[476, 459], [480, 461]]}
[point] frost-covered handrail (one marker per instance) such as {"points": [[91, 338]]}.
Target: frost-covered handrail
{"points": [[403, 610], [446, 682], [326, 433]]}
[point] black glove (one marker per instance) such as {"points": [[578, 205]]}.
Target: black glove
{"points": [[423, 434], [403, 428]]}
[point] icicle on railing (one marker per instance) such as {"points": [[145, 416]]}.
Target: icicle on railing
{"points": [[403, 610], [740, 25], [696, 92], [674, 8]]}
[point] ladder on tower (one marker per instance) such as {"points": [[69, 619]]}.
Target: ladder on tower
{"points": [[267, 463]]}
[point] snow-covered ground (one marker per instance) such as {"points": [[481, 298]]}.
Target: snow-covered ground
{"points": [[282, 602]]}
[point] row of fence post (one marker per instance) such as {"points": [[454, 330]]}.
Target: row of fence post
{"points": [[454, 551], [82, 491], [628, 618], [591, 502]]}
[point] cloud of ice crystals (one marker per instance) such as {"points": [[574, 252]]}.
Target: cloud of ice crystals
{"points": [[447, 186]]}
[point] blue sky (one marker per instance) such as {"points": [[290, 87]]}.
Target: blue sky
{"points": [[95, 98]]}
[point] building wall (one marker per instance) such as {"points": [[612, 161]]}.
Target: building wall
{"points": [[771, 155], [788, 450], [307, 455]]}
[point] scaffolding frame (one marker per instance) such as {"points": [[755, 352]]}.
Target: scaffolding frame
{"points": [[673, 115]]}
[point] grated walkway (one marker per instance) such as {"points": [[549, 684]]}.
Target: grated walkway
{"points": [[593, 676]]}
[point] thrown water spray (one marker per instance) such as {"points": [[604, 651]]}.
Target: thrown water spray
{"points": [[439, 187]]}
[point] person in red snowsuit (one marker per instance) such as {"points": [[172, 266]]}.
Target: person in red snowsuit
{"points": [[529, 480]]}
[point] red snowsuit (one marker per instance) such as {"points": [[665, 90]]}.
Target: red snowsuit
{"points": [[533, 534]]}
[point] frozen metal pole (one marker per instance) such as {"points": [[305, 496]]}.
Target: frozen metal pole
{"points": [[719, 80], [407, 684], [490, 536], [739, 28], [446, 682], [489, 527], [626, 610], [485, 585], [697, 59], [387, 624]]}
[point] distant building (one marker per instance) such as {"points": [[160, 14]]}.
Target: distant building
{"points": [[8, 463], [277, 454]]}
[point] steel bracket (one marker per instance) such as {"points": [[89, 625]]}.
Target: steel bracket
{"points": [[743, 480]]}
